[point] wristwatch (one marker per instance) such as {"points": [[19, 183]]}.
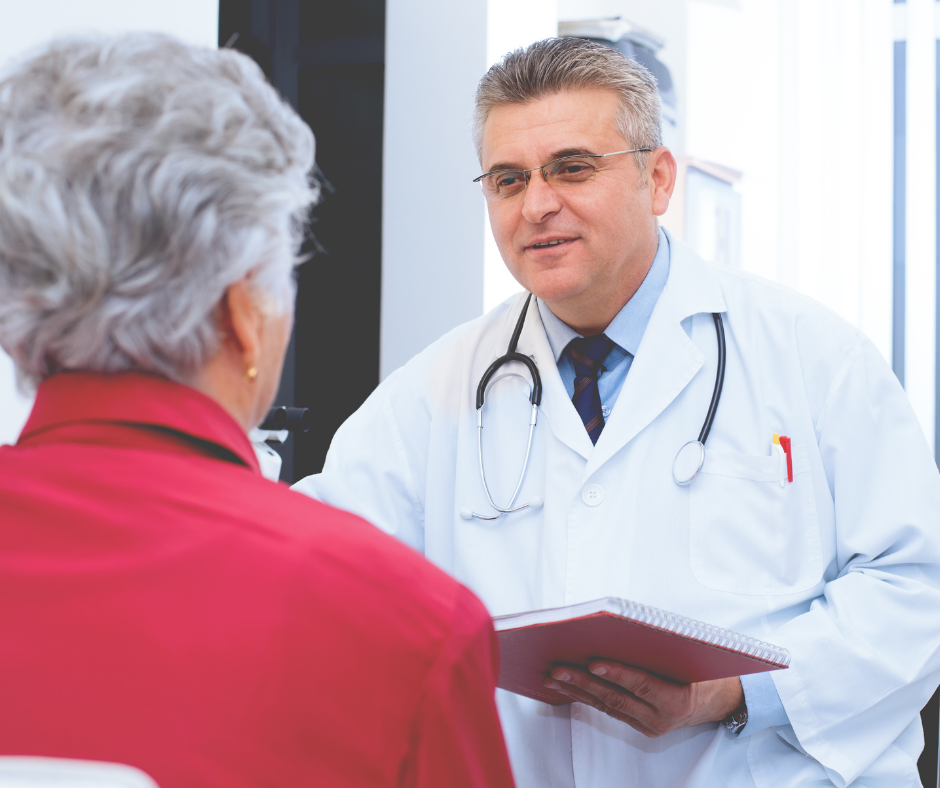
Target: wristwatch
{"points": [[735, 721]]}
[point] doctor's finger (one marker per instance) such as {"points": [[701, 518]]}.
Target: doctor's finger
{"points": [[575, 693], [610, 695], [582, 696], [596, 686], [643, 685]]}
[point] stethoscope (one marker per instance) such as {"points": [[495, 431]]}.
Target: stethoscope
{"points": [[689, 459]]}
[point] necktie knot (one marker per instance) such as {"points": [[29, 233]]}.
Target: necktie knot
{"points": [[588, 354]]}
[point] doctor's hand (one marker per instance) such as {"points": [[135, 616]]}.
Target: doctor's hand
{"points": [[645, 702]]}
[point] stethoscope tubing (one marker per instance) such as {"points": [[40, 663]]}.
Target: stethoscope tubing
{"points": [[719, 379], [698, 446], [525, 463], [535, 395], [535, 399]]}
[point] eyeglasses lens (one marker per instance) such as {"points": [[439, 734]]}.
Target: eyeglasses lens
{"points": [[563, 172], [501, 185]]}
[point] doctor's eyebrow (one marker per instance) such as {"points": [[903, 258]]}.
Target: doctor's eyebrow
{"points": [[556, 155], [561, 154], [504, 166]]}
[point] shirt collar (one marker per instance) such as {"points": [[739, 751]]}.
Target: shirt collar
{"points": [[628, 326], [135, 398]]}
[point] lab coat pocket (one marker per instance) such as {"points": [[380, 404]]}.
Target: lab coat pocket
{"points": [[749, 534], [775, 763]]}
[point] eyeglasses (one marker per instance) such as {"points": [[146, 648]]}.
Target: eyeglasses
{"points": [[566, 171]]}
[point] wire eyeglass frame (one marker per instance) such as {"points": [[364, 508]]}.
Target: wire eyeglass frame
{"points": [[525, 174]]}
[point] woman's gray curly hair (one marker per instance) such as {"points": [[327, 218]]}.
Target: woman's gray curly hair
{"points": [[139, 178]]}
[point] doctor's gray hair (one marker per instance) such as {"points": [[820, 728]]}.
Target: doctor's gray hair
{"points": [[557, 65], [140, 177]]}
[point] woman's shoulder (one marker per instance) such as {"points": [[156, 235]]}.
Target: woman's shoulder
{"points": [[346, 557]]}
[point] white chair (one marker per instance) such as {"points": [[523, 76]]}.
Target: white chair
{"points": [[31, 772]]}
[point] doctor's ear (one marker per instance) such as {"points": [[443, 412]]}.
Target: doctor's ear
{"points": [[661, 171]]}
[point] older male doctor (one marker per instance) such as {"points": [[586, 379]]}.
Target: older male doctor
{"points": [[840, 565]]}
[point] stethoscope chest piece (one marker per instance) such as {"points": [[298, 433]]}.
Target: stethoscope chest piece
{"points": [[688, 462]]}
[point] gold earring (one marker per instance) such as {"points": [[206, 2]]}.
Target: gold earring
{"points": [[251, 374]]}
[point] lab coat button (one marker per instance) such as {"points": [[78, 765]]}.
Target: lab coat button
{"points": [[592, 495]]}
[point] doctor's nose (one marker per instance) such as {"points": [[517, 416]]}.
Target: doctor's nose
{"points": [[540, 199]]}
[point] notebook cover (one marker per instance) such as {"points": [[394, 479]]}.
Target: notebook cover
{"points": [[528, 653]]}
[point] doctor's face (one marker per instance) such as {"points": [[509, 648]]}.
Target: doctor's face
{"points": [[583, 248]]}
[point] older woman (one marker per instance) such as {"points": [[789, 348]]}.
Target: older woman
{"points": [[162, 605]]}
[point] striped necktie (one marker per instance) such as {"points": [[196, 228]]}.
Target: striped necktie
{"points": [[588, 354]]}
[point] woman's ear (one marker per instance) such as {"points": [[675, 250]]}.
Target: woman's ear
{"points": [[242, 324]]}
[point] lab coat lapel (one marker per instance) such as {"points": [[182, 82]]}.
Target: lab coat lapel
{"points": [[667, 359], [556, 408]]}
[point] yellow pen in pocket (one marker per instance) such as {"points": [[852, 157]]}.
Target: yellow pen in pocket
{"points": [[777, 449]]}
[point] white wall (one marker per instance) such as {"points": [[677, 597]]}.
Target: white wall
{"points": [[510, 25], [775, 91], [436, 259], [668, 19], [28, 24], [432, 244], [920, 27], [798, 95]]}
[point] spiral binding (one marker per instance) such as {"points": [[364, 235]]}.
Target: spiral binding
{"points": [[706, 633]]}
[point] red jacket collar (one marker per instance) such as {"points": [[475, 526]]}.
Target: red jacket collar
{"points": [[136, 398]]}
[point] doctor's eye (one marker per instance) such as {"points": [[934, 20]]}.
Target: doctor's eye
{"points": [[505, 184], [571, 170]]}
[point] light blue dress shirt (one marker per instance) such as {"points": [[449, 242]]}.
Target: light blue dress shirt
{"points": [[626, 330], [764, 707]]}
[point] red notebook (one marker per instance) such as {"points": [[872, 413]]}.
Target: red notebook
{"points": [[671, 646]]}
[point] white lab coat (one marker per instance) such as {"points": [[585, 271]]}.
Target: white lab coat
{"points": [[841, 567]]}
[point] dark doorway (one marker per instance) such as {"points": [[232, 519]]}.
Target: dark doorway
{"points": [[927, 765], [328, 60]]}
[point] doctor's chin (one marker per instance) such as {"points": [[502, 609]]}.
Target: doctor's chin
{"points": [[469, 395]]}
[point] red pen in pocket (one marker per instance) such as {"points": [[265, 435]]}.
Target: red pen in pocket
{"points": [[785, 445]]}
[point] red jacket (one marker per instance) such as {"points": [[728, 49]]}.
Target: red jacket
{"points": [[162, 605]]}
